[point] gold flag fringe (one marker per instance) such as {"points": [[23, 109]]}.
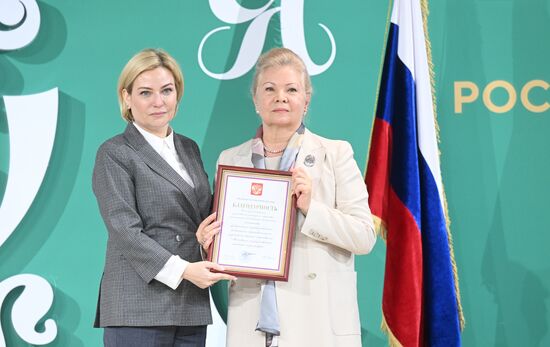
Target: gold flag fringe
{"points": [[425, 13], [392, 340], [380, 227]]}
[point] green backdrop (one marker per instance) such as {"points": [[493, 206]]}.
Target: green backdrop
{"points": [[495, 166]]}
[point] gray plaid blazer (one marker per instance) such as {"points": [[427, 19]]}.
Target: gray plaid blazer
{"points": [[150, 213]]}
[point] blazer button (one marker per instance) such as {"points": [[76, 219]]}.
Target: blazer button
{"points": [[312, 276], [178, 238]]}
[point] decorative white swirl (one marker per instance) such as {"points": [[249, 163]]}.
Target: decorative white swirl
{"points": [[29, 308], [22, 17], [233, 13], [292, 35], [29, 117], [27, 167], [250, 50]]}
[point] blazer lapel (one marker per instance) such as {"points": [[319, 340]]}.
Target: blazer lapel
{"points": [[244, 157], [162, 168], [193, 165], [311, 156], [189, 160]]}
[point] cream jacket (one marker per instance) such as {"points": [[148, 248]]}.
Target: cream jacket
{"points": [[318, 305]]}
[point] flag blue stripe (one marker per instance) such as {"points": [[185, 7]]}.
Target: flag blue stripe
{"points": [[441, 324], [396, 105]]}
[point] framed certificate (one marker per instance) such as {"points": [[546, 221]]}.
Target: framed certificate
{"points": [[257, 211]]}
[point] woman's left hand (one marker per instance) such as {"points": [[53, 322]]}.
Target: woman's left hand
{"points": [[207, 230], [301, 186]]}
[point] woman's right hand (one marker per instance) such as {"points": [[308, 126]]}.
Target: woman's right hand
{"points": [[207, 230], [200, 275]]}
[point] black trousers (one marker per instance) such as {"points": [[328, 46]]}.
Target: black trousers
{"points": [[164, 336]]}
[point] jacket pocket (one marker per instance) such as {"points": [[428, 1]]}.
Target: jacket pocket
{"points": [[344, 312]]}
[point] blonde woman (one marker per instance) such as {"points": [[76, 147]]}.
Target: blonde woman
{"points": [[318, 305], [154, 195]]}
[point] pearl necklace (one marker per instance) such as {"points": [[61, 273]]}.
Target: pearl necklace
{"points": [[271, 151]]}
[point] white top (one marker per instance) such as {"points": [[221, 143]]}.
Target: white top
{"points": [[272, 163], [165, 147]]}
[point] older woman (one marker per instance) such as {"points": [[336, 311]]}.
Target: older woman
{"points": [[153, 194], [318, 304]]}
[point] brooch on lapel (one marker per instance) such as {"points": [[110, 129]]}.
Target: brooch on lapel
{"points": [[309, 160]]}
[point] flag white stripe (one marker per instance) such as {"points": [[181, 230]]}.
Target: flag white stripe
{"points": [[407, 15]]}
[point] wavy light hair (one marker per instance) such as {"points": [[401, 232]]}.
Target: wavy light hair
{"points": [[146, 60], [279, 57]]}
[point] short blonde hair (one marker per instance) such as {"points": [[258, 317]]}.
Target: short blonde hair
{"points": [[279, 57], [146, 60]]}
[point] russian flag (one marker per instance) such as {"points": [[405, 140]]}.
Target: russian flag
{"points": [[420, 304]]}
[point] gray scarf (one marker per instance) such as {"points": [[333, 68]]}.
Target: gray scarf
{"points": [[269, 314]]}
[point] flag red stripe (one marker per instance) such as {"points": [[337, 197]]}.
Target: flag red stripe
{"points": [[377, 178], [402, 299]]}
